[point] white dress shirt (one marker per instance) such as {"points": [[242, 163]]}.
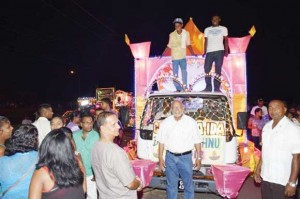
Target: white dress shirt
{"points": [[279, 144], [179, 136], [43, 126]]}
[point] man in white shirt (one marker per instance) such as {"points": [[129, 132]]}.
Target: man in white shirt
{"points": [[278, 168], [44, 113], [179, 134], [260, 104], [215, 48]]}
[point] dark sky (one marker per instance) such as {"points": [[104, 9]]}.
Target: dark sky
{"points": [[42, 40]]}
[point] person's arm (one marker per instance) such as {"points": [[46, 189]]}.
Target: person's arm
{"points": [[290, 190], [191, 50], [36, 185], [161, 148], [80, 164], [205, 46], [197, 164], [166, 49], [226, 51], [136, 184], [2, 151], [250, 123]]}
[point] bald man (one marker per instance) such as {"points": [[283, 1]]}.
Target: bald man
{"points": [[179, 134], [278, 168]]}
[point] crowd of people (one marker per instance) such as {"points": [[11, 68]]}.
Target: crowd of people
{"points": [[50, 158], [80, 157]]}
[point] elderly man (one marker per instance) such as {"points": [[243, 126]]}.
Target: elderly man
{"points": [[179, 134], [278, 168]]}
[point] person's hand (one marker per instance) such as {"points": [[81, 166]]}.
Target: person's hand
{"points": [[195, 55], [289, 191], [226, 53], [197, 164], [257, 177], [141, 184], [203, 55], [162, 164]]}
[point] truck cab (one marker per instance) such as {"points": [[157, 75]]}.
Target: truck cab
{"points": [[213, 115]]}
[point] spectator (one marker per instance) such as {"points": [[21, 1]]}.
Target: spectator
{"points": [[57, 174], [115, 177], [255, 124], [57, 122], [97, 112], [74, 121], [260, 104], [106, 105], [42, 123], [17, 167], [5, 133], [278, 168], [26, 120], [84, 141]]}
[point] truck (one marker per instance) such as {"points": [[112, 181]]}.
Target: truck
{"points": [[216, 113]]}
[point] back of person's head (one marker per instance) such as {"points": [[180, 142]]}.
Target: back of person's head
{"points": [[107, 100], [41, 110], [24, 139], [74, 114], [57, 154], [69, 133]]}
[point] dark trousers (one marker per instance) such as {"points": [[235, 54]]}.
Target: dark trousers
{"points": [[256, 141], [210, 58], [273, 191]]}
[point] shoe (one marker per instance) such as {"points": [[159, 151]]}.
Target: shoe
{"points": [[206, 90], [217, 90]]}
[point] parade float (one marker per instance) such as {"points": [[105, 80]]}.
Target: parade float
{"points": [[215, 112]]}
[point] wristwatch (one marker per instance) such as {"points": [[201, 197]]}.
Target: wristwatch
{"points": [[292, 184]]}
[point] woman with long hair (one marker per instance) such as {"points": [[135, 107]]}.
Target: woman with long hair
{"points": [[57, 174], [17, 166]]}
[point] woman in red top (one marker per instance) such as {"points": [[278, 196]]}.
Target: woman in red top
{"points": [[58, 173]]}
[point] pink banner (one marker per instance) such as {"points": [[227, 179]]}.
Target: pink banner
{"points": [[144, 170], [238, 44], [229, 179]]}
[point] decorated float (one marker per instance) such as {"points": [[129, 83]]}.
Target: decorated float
{"points": [[216, 112]]}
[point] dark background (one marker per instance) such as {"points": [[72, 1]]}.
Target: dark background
{"points": [[41, 41]]}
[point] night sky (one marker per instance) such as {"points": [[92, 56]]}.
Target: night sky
{"points": [[42, 41]]}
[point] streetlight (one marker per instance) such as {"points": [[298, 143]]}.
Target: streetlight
{"points": [[74, 71]]}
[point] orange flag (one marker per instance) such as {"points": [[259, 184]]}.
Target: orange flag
{"points": [[196, 36], [127, 41], [252, 31]]}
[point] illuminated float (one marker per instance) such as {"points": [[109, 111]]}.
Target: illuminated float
{"points": [[216, 112]]}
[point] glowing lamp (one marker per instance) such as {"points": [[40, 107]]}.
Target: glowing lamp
{"points": [[238, 44], [140, 50]]}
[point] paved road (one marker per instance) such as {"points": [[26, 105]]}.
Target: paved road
{"points": [[248, 191]]}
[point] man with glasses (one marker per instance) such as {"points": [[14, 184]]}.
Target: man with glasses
{"points": [[179, 40]]}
